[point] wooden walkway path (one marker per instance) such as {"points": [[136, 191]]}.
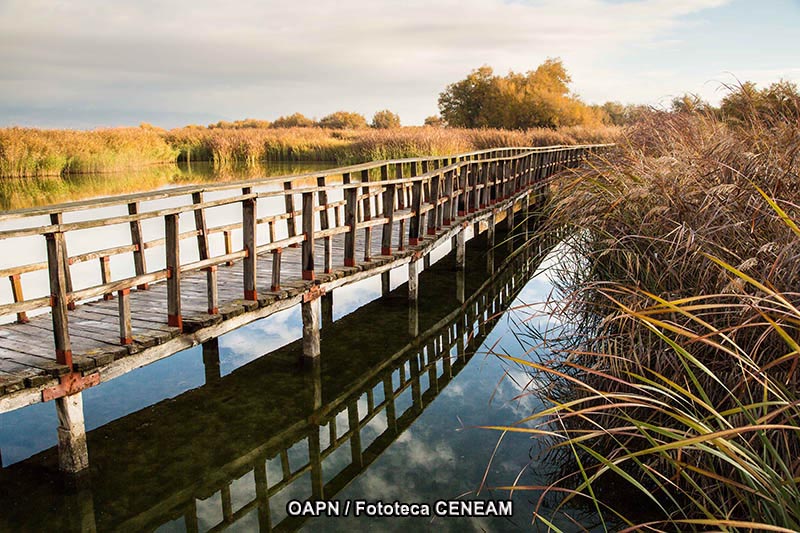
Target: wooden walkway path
{"points": [[336, 227]]}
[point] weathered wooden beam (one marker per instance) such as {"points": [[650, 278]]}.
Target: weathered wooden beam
{"points": [[276, 269], [350, 220], [433, 215], [308, 232], [105, 275], [324, 223], [310, 315], [16, 293], [415, 226], [58, 298], [413, 281], [73, 455], [174, 315], [291, 222], [57, 219], [137, 240], [125, 329], [249, 235], [388, 213], [367, 210], [461, 248]]}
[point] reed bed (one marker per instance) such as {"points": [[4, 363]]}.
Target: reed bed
{"points": [[31, 152], [671, 369]]}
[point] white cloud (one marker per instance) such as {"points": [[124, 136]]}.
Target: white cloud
{"points": [[269, 58]]}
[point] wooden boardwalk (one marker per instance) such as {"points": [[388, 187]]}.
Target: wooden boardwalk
{"points": [[335, 227]]}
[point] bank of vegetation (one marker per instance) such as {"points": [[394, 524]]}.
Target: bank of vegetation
{"points": [[674, 370]]}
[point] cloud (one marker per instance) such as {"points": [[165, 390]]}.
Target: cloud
{"points": [[266, 58]]}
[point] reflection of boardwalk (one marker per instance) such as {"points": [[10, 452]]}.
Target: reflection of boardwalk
{"points": [[138, 486], [335, 228]]}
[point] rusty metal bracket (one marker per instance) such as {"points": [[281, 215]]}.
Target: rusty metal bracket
{"points": [[313, 293], [71, 383]]}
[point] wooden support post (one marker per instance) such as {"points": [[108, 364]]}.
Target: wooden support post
{"points": [[350, 220], [211, 363], [173, 262], [386, 283], [16, 292], [308, 233], [355, 434], [226, 235], [308, 309], [461, 248], [327, 309], [211, 290], [73, 455], [426, 261], [276, 270], [137, 239], [125, 329], [58, 298], [105, 275], [388, 213], [401, 198], [433, 214], [57, 218], [460, 286], [413, 281], [462, 197], [367, 210], [324, 224], [415, 226], [249, 235], [447, 214], [291, 222]]}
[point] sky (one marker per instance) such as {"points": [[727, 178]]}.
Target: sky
{"points": [[98, 63]]}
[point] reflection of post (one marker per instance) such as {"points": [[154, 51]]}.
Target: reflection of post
{"points": [[262, 495], [327, 309], [73, 455], [416, 386], [432, 379], [315, 460], [460, 287], [388, 395], [211, 360], [413, 319], [490, 246], [426, 261], [81, 502], [355, 434], [190, 517], [385, 283], [460, 337], [313, 380], [310, 328], [227, 503]]}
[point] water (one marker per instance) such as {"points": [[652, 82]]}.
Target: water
{"points": [[224, 436], [19, 193]]}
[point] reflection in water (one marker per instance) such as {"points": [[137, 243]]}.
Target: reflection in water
{"points": [[377, 418], [19, 193]]}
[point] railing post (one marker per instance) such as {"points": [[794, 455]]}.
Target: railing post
{"points": [[58, 219], [291, 223], [367, 210], [433, 214], [173, 246], [324, 223], [250, 262], [203, 252], [137, 239], [414, 231], [447, 215], [308, 232], [105, 275], [125, 330], [16, 292], [463, 188], [388, 213], [350, 220], [58, 298]]}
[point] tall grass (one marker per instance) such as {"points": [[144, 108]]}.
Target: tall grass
{"points": [[676, 375], [31, 152]]}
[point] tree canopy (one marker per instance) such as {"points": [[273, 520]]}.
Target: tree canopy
{"points": [[297, 120], [537, 98], [343, 120], [385, 119]]}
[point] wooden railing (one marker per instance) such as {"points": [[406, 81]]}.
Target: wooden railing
{"points": [[421, 195]]}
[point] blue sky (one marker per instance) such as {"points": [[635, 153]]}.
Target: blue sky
{"points": [[91, 63]]}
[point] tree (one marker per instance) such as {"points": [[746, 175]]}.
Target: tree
{"points": [[780, 102], [689, 103], [538, 98], [343, 120], [297, 120], [385, 120], [435, 121]]}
